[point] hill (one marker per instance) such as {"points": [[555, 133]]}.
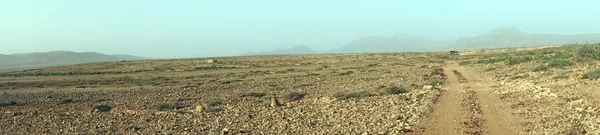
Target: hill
{"points": [[301, 49], [505, 37], [56, 58], [394, 43]]}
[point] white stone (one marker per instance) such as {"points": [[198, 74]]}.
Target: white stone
{"points": [[427, 87]]}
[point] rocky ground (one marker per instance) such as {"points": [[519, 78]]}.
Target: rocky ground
{"points": [[210, 101], [550, 105], [539, 90]]}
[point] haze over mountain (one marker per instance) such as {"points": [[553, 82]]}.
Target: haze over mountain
{"points": [[56, 58], [395, 43], [503, 37], [301, 49]]}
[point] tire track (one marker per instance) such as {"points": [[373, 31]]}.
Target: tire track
{"points": [[467, 107]]}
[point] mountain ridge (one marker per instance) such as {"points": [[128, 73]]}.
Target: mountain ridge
{"points": [[56, 58]]}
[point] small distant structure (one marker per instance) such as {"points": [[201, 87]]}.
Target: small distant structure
{"points": [[211, 61], [454, 53]]}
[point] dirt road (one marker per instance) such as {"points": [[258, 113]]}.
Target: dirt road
{"points": [[468, 106]]}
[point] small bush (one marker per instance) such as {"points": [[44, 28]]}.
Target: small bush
{"points": [[64, 101], [560, 76], [464, 63], [184, 99], [212, 110], [435, 82], [8, 103], [345, 73], [338, 95], [559, 63], [293, 96], [101, 108], [304, 84], [393, 90], [214, 102], [358, 94], [169, 106], [518, 77], [540, 68], [518, 59], [355, 94], [253, 94], [436, 61], [588, 53], [592, 75], [322, 67], [491, 69], [493, 60], [101, 100]]}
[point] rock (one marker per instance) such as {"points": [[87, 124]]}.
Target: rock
{"points": [[199, 109], [274, 102], [577, 103], [326, 100], [427, 87], [225, 131], [407, 129]]}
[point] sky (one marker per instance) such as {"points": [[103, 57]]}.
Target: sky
{"points": [[204, 28]]}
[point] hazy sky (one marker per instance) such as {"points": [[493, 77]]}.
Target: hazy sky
{"points": [[199, 28]]}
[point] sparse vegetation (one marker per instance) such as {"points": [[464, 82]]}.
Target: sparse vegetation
{"points": [[303, 84], [465, 63], [169, 106], [253, 94], [381, 90], [518, 59], [322, 67], [436, 61], [214, 67], [345, 73], [8, 103], [496, 59], [559, 63], [212, 110], [64, 101], [214, 102], [101, 100], [518, 77], [392, 90], [435, 82], [540, 67], [293, 96], [355, 94], [101, 108], [560, 76], [588, 53], [184, 99], [592, 75]]}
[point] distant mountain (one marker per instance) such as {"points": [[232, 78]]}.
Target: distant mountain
{"points": [[301, 49], [504, 37], [394, 43], [56, 58]]}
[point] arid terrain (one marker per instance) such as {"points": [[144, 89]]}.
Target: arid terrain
{"points": [[535, 90]]}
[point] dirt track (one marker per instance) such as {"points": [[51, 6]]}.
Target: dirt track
{"points": [[468, 106]]}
